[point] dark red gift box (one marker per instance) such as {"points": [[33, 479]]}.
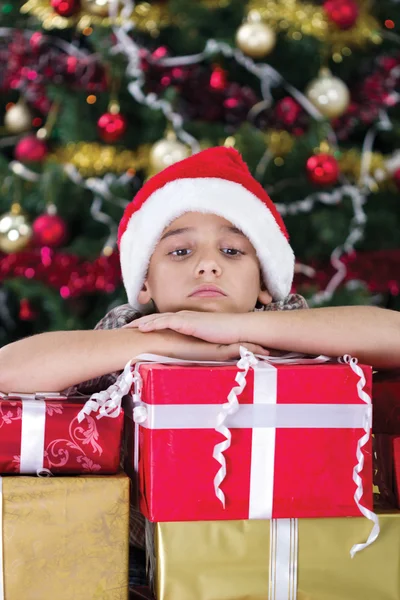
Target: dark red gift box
{"points": [[386, 402], [39, 432]]}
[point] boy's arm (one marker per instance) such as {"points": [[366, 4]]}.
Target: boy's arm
{"points": [[56, 360], [371, 334]]}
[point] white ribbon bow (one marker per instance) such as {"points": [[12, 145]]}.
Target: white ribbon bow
{"points": [[108, 402]]}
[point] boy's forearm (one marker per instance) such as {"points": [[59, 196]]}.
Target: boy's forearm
{"points": [[369, 333], [56, 360]]}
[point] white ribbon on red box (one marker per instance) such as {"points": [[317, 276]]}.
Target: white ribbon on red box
{"points": [[293, 416]]}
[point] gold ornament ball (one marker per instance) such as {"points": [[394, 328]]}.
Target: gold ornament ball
{"points": [[165, 153], [329, 94], [15, 232], [255, 39], [18, 118], [100, 8]]}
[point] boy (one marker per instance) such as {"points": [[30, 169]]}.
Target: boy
{"points": [[204, 249], [205, 257]]}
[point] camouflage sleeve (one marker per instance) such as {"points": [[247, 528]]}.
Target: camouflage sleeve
{"points": [[114, 319], [291, 302]]}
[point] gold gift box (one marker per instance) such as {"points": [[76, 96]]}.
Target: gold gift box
{"points": [[230, 560], [65, 538]]}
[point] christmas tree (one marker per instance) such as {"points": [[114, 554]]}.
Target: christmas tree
{"points": [[98, 95]]}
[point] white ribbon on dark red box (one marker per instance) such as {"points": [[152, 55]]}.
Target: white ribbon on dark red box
{"points": [[32, 435]]}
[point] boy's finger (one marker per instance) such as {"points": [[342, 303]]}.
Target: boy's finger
{"points": [[256, 349], [159, 323], [232, 351], [151, 318]]}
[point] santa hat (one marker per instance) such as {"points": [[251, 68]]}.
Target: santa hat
{"points": [[216, 181]]}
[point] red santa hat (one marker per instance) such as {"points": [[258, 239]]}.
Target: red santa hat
{"points": [[216, 181]]}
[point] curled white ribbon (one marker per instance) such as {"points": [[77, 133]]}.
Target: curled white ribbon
{"points": [[108, 402], [247, 360], [139, 413], [44, 473], [353, 363]]}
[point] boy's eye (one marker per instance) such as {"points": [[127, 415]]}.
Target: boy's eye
{"points": [[231, 251], [180, 252]]}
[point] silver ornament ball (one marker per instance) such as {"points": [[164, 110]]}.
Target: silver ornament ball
{"points": [[100, 8], [255, 39], [166, 152], [18, 118], [15, 232], [329, 94]]}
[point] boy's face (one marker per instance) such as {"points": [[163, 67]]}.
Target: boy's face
{"points": [[203, 263]]}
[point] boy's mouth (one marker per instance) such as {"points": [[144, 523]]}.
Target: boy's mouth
{"points": [[207, 291]]}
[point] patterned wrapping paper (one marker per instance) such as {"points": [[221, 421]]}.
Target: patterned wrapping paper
{"points": [[48, 428], [310, 473], [65, 538], [237, 560]]}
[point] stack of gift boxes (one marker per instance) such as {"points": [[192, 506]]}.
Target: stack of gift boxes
{"points": [[264, 490], [61, 537], [256, 481]]}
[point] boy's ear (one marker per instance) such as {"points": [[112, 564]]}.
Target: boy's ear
{"points": [[144, 295], [264, 297]]}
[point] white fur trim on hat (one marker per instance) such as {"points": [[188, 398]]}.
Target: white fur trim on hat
{"points": [[222, 197]]}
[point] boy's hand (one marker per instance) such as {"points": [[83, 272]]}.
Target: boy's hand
{"points": [[176, 345], [217, 328]]}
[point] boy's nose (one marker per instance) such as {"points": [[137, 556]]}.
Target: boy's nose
{"points": [[208, 266]]}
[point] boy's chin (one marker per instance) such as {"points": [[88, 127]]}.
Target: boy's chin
{"points": [[218, 305]]}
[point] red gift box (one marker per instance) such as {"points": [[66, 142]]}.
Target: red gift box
{"points": [[39, 432], [386, 397], [293, 445], [384, 484]]}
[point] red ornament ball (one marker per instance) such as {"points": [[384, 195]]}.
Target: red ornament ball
{"points": [[396, 178], [288, 110], [49, 230], [322, 169], [218, 79], [26, 311], [111, 127], [65, 8], [344, 13], [36, 41], [30, 149]]}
